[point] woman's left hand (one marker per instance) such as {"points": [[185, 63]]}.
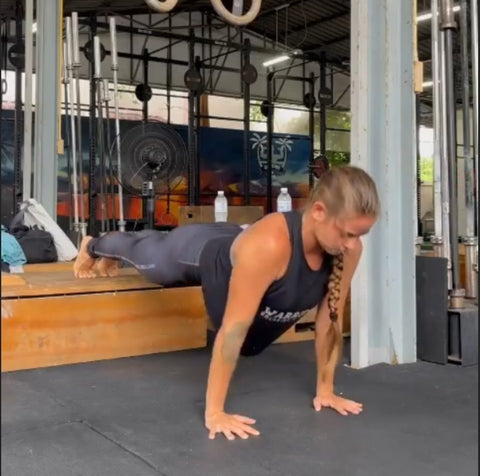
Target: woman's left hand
{"points": [[340, 404]]}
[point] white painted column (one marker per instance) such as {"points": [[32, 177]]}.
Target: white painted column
{"points": [[47, 79], [383, 143]]}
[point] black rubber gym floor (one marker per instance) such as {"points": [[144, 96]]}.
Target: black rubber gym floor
{"points": [[144, 416]]}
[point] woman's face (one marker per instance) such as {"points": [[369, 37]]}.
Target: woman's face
{"points": [[339, 234]]}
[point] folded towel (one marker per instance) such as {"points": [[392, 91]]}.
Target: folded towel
{"points": [[12, 252]]}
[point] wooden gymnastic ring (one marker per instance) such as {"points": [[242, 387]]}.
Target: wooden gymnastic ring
{"points": [[162, 6], [237, 20]]}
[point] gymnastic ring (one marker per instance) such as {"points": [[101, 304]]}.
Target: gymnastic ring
{"points": [[238, 20], [162, 6]]}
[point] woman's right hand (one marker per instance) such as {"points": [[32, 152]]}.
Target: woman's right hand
{"points": [[230, 425]]}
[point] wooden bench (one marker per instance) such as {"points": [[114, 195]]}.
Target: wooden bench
{"points": [[50, 318]]}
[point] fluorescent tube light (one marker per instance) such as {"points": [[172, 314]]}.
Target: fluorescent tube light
{"points": [[276, 60]]}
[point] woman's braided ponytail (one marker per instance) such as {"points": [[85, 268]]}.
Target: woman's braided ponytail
{"points": [[346, 191], [334, 333]]}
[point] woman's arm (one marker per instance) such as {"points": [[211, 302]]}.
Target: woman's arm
{"points": [[326, 372], [257, 262]]}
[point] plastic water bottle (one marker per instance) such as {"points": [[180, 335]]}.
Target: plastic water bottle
{"points": [[284, 200], [221, 206]]}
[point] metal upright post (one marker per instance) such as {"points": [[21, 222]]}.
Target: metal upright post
{"points": [[419, 234], [437, 239], [18, 124], [68, 141], [323, 107], [311, 127], [108, 149], [169, 71], [269, 141], [246, 127], [28, 123], [69, 104], [469, 239], [145, 82], [198, 95], [114, 67], [191, 131], [323, 113], [474, 59], [443, 151], [467, 150], [76, 68], [104, 227], [447, 25], [92, 165]]}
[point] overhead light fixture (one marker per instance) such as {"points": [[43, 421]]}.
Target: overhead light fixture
{"points": [[282, 58], [428, 15], [34, 27], [276, 60], [427, 84]]}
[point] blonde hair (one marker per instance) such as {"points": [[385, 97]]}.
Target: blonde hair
{"points": [[346, 191]]}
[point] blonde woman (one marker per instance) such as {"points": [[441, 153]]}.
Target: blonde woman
{"points": [[258, 282]]}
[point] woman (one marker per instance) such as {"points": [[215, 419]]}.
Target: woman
{"points": [[258, 282]]}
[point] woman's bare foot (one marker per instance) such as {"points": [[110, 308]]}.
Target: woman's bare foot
{"points": [[83, 266], [107, 267]]}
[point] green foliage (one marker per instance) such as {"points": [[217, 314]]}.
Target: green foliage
{"points": [[339, 120], [337, 158], [426, 169], [256, 113]]}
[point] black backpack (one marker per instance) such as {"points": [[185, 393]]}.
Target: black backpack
{"points": [[36, 242]]}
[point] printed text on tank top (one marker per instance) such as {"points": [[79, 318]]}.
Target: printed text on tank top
{"points": [[293, 306]]}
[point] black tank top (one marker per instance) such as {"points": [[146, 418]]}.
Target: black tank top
{"points": [[287, 299]]}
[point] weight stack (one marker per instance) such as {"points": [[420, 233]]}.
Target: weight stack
{"points": [[444, 334], [463, 335], [432, 309]]}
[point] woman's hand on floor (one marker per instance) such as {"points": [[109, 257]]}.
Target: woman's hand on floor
{"points": [[340, 404], [231, 426]]}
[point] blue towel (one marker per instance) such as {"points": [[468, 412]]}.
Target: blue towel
{"points": [[12, 252]]}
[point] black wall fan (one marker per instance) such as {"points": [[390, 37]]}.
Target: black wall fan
{"points": [[154, 161]]}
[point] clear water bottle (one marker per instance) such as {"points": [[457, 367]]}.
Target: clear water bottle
{"points": [[221, 207], [284, 200]]}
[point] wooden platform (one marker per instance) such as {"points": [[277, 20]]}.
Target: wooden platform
{"points": [[50, 318], [239, 214]]}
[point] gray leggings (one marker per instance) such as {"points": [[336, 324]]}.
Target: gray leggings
{"points": [[168, 259]]}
